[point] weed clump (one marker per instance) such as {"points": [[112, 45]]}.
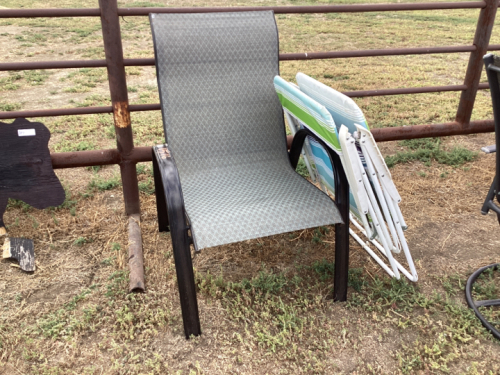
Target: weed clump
{"points": [[428, 149], [101, 184]]}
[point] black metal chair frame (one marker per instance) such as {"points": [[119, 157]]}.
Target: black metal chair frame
{"points": [[489, 204], [172, 218], [474, 305]]}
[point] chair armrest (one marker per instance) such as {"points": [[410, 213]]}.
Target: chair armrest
{"points": [[169, 199], [298, 143], [339, 176]]}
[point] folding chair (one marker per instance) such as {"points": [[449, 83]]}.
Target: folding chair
{"points": [[232, 178], [374, 198], [492, 66]]}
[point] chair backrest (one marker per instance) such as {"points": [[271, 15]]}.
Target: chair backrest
{"points": [[343, 109], [215, 74]]}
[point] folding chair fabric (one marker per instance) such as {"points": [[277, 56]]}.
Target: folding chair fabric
{"points": [[225, 126], [308, 111], [342, 108]]}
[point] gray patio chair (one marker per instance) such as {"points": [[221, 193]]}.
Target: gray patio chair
{"points": [[224, 125]]}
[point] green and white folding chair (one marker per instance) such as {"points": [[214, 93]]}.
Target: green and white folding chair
{"points": [[373, 197]]}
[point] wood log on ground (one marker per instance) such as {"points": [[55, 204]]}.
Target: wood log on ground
{"points": [[21, 249]]}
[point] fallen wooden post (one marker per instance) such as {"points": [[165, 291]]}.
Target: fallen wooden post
{"points": [[135, 257]]}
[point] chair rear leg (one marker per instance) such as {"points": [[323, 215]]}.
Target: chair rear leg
{"points": [[342, 201], [341, 275]]}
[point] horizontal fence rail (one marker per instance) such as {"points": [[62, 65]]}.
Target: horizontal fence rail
{"points": [[358, 8], [143, 154], [71, 64], [156, 106]]}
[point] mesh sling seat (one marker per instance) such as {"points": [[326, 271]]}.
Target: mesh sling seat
{"points": [[232, 178]]}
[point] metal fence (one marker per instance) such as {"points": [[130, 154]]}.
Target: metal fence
{"points": [[126, 155]]}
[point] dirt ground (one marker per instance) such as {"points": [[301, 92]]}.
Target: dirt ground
{"points": [[81, 261]]}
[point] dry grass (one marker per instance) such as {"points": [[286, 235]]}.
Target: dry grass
{"points": [[265, 304]]}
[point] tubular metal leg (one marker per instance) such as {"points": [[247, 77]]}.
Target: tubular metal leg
{"points": [[341, 276]]}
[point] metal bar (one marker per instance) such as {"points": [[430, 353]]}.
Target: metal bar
{"points": [[143, 154], [119, 99], [32, 65], [55, 112], [310, 9], [432, 130], [409, 90], [51, 12], [93, 12], [144, 107], [97, 157], [85, 158], [135, 255], [475, 67], [375, 52], [74, 111], [157, 107]]}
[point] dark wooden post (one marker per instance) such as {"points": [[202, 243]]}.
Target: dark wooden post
{"points": [[475, 67], [124, 138]]}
